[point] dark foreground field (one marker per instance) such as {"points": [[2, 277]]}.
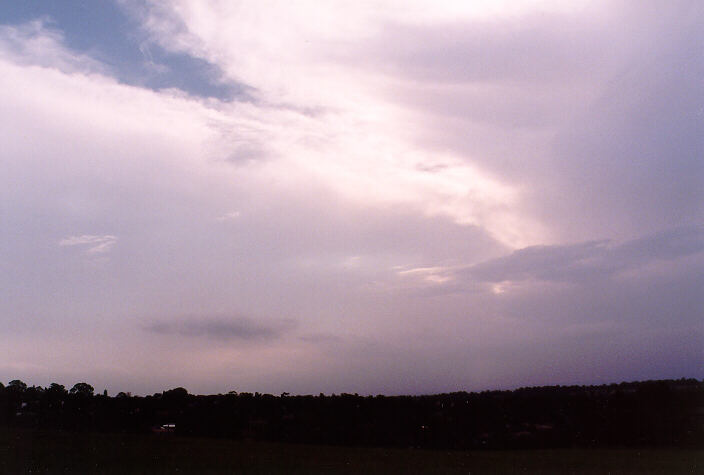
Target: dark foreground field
{"points": [[25, 451]]}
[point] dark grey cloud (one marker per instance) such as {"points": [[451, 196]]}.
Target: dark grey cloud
{"points": [[588, 260], [223, 328], [644, 302], [632, 160], [665, 245], [322, 338]]}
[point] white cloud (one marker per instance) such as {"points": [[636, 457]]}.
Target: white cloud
{"points": [[232, 215], [433, 275], [471, 110], [324, 120], [36, 43], [93, 244]]}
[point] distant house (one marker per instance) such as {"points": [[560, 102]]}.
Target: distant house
{"points": [[164, 429]]}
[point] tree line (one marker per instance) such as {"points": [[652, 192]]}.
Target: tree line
{"points": [[665, 413]]}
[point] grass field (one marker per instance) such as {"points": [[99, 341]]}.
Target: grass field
{"points": [[55, 452]]}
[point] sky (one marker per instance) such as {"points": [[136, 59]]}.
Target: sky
{"points": [[373, 197]]}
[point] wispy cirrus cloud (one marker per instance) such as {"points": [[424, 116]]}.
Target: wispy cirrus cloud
{"points": [[91, 243]]}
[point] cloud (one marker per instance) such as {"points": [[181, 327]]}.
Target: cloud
{"points": [[551, 48], [433, 275], [467, 195], [232, 215], [589, 260], [369, 134], [38, 43], [322, 339], [522, 112], [93, 244], [223, 328]]}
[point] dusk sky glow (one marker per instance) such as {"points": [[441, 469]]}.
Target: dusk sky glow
{"points": [[365, 197]]}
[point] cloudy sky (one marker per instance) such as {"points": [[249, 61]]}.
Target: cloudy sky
{"points": [[351, 196]]}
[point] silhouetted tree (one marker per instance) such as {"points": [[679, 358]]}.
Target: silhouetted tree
{"points": [[82, 389], [649, 413], [17, 385], [176, 392], [56, 389]]}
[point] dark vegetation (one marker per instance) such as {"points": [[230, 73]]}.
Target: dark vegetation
{"points": [[650, 414]]}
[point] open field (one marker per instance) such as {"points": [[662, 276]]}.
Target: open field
{"points": [[54, 452]]}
